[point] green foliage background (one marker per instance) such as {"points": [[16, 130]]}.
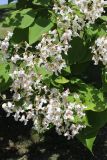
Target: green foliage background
{"points": [[33, 18]]}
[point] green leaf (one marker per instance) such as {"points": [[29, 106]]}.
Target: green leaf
{"points": [[80, 68], [41, 26], [104, 80], [41, 2], [92, 98], [76, 81], [87, 142], [102, 30], [61, 80], [95, 30], [27, 20], [92, 31], [20, 35], [4, 71], [9, 1], [28, 17], [67, 69], [96, 121], [42, 71], [90, 142], [4, 76], [78, 53], [104, 18], [21, 18]]}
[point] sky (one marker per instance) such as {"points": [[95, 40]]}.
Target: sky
{"points": [[3, 1]]}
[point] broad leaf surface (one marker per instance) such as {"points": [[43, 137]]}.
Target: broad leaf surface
{"points": [[41, 26]]}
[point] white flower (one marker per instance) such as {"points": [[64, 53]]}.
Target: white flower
{"points": [[91, 9], [69, 115], [99, 50], [17, 115], [10, 34], [62, 2], [16, 97], [15, 58], [4, 45]]}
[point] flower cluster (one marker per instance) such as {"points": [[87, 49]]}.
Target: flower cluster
{"points": [[46, 106], [99, 49], [69, 25], [50, 52], [52, 110], [60, 113], [34, 100], [32, 97], [92, 9], [5, 43], [23, 77], [57, 41]]}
